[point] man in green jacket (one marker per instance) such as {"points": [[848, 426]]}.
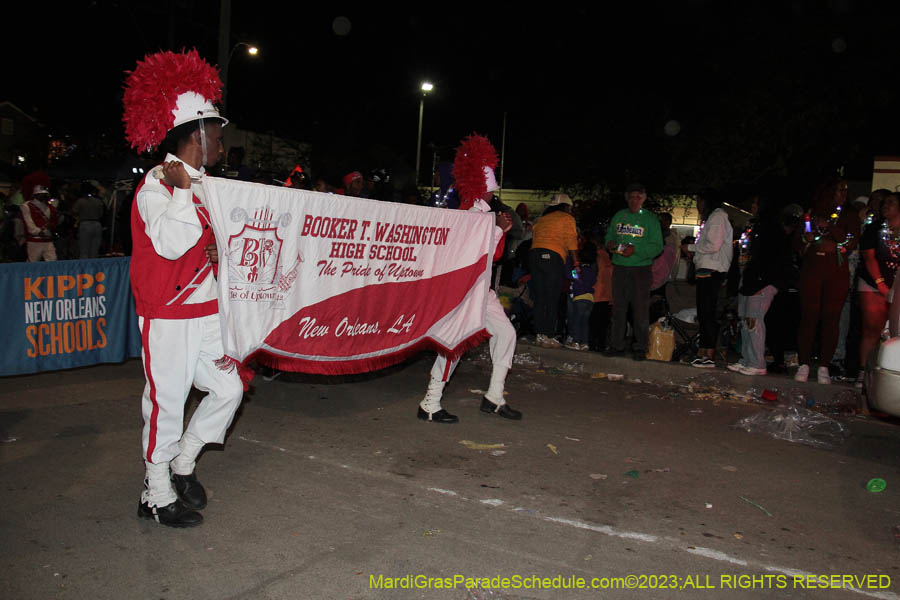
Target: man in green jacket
{"points": [[634, 238]]}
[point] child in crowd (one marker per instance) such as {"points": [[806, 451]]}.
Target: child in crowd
{"points": [[602, 307], [581, 298]]}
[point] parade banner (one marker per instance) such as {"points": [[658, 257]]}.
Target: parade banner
{"points": [[64, 314], [321, 283]]}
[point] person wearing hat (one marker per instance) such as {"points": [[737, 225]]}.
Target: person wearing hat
{"points": [[169, 99], [634, 239], [298, 179], [376, 184], [353, 185], [473, 169], [554, 241], [39, 216]]}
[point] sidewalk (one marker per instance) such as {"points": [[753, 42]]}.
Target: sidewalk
{"points": [[678, 373]]}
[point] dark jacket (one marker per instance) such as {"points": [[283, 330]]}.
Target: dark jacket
{"points": [[584, 284], [769, 259]]}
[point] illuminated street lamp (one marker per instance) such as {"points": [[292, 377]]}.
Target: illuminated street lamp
{"points": [[426, 87], [251, 50]]}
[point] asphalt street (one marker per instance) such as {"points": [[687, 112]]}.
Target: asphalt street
{"points": [[329, 487]]}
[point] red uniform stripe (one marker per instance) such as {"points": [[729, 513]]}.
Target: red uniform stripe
{"points": [[447, 366], [154, 414]]}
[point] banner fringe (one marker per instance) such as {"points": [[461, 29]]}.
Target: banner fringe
{"points": [[245, 372], [363, 365]]}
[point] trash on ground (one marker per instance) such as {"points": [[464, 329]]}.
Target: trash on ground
{"points": [[536, 387], [589, 557], [525, 359], [615, 376], [876, 485], [598, 476], [708, 505], [552, 448], [632, 473], [709, 389], [628, 459], [697, 411], [729, 468], [498, 452], [844, 403], [598, 375], [749, 396], [796, 424], [714, 397], [431, 532], [477, 446], [663, 470], [770, 395], [573, 439], [634, 381], [738, 535], [752, 503]]}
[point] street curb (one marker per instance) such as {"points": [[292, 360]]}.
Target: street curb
{"points": [[674, 373]]}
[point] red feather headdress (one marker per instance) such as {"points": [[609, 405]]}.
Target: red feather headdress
{"points": [[152, 93], [31, 180], [473, 155]]}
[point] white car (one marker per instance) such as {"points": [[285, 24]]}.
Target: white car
{"points": [[883, 378]]}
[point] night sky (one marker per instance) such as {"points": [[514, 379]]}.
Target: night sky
{"points": [[680, 95]]}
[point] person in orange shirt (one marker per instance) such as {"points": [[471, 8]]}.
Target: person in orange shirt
{"points": [[555, 239], [600, 313]]}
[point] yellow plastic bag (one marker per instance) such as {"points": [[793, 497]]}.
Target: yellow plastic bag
{"points": [[662, 342]]}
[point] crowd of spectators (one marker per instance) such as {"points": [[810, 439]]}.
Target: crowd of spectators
{"points": [[814, 280], [801, 281]]}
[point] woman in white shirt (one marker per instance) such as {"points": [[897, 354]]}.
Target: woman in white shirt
{"points": [[712, 258]]}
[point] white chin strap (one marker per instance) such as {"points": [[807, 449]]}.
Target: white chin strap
{"points": [[203, 142]]}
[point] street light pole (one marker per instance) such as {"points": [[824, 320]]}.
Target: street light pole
{"points": [[426, 87], [251, 50]]}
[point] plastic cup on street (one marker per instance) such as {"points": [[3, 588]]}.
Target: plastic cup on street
{"points": [[876, 485]]}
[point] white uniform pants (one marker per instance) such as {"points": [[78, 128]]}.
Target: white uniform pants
{"points": [[41, 251], [178, 353], [502, 343]]}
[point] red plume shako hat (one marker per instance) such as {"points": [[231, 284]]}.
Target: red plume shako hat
{"points": [[473, 169], [166, 90], [37, 182]]}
